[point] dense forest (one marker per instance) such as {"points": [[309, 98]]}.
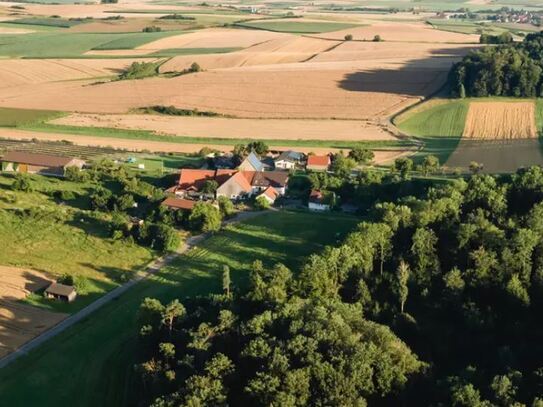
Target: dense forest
{"points": [[512, 69], [432, 301]]}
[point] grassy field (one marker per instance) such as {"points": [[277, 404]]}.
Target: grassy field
{"points": [[49, 22], [294, 26], [133, 40], [92, 362], [436, 118], [19, 117], [63, 239], [56, 44]]}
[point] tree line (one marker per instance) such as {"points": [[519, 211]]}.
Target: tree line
{"points": [[432, 301], [511, 69]]}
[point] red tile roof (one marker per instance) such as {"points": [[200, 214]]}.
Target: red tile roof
{"points": [[194, 178], [271, 193], [177, 203], [242, 181], [319, 160]]}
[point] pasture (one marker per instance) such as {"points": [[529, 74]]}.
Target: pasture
{"points": [[39, 234], [108, 340], [56, 44], [435, 118]]}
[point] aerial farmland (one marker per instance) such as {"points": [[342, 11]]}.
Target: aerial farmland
{"points": [[271, 203]]}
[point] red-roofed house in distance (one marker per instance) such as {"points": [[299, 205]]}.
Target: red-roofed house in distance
{"points": [[318, 163]]}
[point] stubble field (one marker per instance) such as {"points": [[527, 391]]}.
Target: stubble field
{"points": [[20, 322], [500, 120]]}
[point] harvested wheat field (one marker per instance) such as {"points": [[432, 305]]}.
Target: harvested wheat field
{"points": [[215, 38], [214, 127], [18, 322], [19, 72], [500, 120], [277, 91], [405, 32], [283, 50]]}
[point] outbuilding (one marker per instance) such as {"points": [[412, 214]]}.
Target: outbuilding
{"points": [[61, 292], [37, 163]]}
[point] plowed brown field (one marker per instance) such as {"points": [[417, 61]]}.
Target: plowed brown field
{"points": [[500, 120]]}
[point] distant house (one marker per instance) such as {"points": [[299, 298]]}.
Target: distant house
{"points": [[318, 162], [61, 292], [288, 160], [178, 203], [235, 187], [37, 163], [318, 202], [270, 194], [251, 163]]}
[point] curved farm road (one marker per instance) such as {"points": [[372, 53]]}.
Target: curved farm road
{"points": [[152, 268]]}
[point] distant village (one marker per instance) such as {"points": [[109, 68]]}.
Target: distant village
{"points": [[504, 15]]}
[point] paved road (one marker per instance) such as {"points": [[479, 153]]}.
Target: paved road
{"points": [[153, 267]]}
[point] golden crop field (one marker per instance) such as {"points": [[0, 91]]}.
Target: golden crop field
{"points": [[500, 120]]}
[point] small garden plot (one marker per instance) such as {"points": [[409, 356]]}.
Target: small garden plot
{"points": [[500, 120]]}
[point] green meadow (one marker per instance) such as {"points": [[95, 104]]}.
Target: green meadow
{"points": [[93, 359], [56, 44]]}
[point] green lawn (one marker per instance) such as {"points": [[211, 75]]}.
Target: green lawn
{"points": [[63, 239], [91, 364], [439, 118], [294, 26], [57, 44], [18, 117]]}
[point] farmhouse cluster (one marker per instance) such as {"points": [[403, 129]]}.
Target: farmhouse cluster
{"points": [[259, 178]]}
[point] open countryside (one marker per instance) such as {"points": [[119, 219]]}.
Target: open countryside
{"points": [[271, 204]]}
